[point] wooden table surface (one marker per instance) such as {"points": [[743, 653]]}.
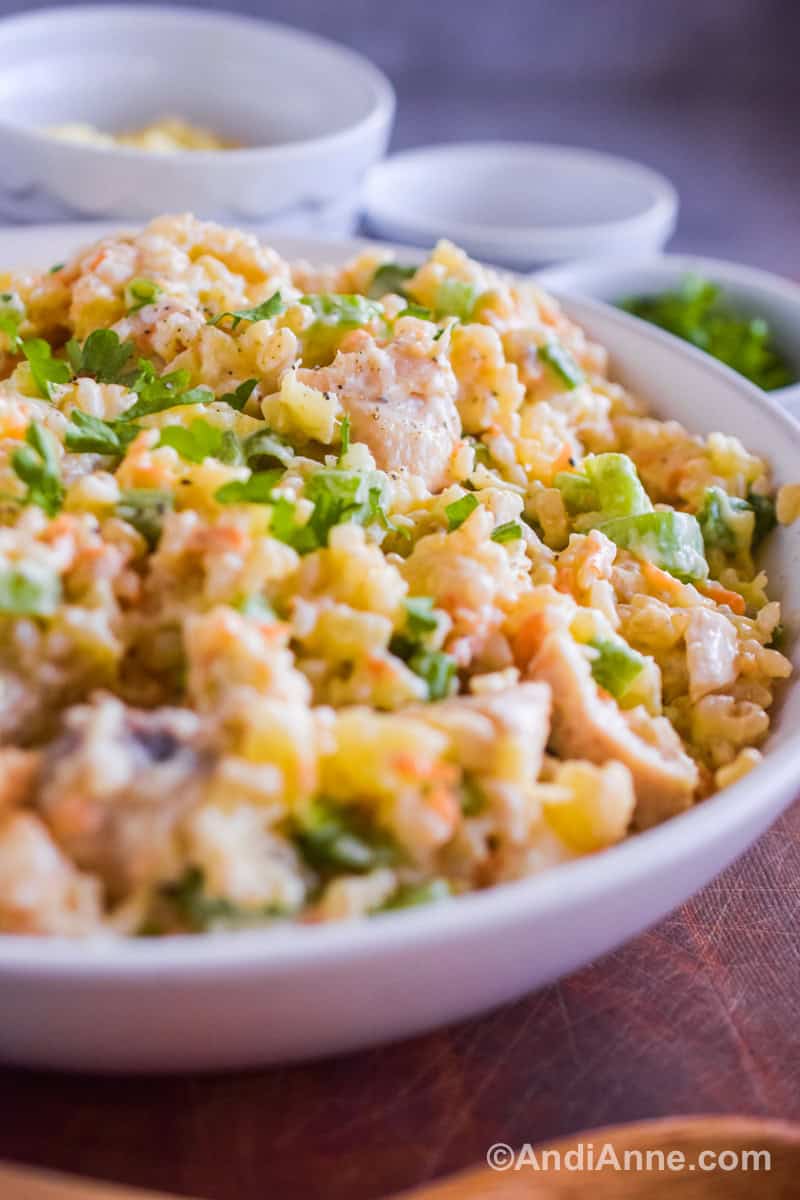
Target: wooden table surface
{"points": [[702, 1014]]}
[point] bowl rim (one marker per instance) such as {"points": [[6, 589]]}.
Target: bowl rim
{"points": [[295, 948], [379, 116], [660, 213]]}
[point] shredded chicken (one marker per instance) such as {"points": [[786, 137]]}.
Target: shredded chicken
{"points": [[400, 400], [585, 725]]}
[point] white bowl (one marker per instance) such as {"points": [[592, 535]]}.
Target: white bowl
{"points": [[752, 292], [521, 204], [248, 998], [313, 116]]}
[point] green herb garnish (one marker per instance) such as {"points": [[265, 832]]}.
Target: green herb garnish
{"points": [[12, 314], [437, 669], [140, 292], [102, 356], [559, 360], [90, 435], [699, 313], [48, 372], [258, 489], [36, 464], [389, 277], [335, 838], [201, 440], [239, 397], [511, 531], [459, 510], [261, 312]]}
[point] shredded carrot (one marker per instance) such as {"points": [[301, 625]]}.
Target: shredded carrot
{"points": [[562, 460], [722, 595], [444, 804], [661, 580], [529, 638]]}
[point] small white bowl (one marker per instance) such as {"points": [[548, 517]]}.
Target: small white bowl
{"points": [[753, 292], [519, 204], [312, 116]]}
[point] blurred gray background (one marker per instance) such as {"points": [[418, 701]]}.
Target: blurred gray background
{"points": [[708, 91]]}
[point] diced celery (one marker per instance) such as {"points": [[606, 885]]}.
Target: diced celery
{"points": [[670, 540], [616, 666]]}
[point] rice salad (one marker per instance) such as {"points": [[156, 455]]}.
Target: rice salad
{"points": [[330, 592]]}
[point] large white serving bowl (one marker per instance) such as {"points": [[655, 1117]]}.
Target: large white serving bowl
{"points": [[312, 115], [250, 998]]}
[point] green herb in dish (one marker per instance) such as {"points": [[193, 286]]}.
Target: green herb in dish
{"points": [[698, 312]]}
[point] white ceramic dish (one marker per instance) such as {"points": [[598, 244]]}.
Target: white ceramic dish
{"points": [[521, 204], [313, 115], [754, 292], [248, 998]]}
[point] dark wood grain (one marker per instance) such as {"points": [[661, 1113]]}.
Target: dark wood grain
{"points": [[702, 1014]]}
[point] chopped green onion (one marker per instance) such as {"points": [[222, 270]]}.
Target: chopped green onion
{"points": [[459, 510], [511, 531], [437, 669], [559, 360], [12, 314], [140, 292], [420, 617], [616, 665], [36, 464]]}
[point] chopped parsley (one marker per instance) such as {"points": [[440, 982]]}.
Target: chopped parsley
{"points": [[200, 912], [698, 312], [258, 489], [47, 372], [156, 393], [390, 277], [459, 510], [511, 531], [102, 356], [264, 448], [201, 440], [29, 591], [272, 307], [36, 464], [91, 435], [140, 292], [239, 396], [334, 838]]}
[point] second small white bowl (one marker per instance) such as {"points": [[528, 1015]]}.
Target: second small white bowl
{"points": [[521, 204]]}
